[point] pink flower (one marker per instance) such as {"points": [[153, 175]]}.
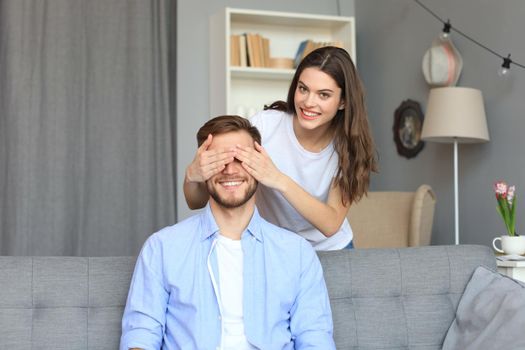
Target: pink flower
{"points": [[500, 188], [506, 199], [510, 193]]}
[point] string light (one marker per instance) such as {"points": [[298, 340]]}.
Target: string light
{"points": [[503, 71], [446, 31]]}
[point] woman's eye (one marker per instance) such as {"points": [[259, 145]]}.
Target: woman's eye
{"points": [[324, 96], [302, 89]]}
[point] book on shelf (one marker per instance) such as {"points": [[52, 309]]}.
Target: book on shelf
{"points": [[254, 50], [307, 46], [235, 53], [299, 53], [243, 58], [266, 51], [250, 49], [256, 42]]}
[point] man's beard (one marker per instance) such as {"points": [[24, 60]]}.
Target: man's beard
{"points": [[231, 203]]}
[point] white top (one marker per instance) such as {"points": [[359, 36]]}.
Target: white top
{"points": [[229, 261], [314, 172]]}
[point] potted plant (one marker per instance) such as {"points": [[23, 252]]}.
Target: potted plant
{"points": [[512, 242]]}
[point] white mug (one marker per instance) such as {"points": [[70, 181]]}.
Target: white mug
{"points": [[510, 244]]}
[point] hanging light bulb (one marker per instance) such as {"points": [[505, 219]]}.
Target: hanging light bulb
{"points": [[446, 31], [504, 70]]}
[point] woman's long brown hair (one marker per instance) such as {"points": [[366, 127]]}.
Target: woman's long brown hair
{"points": [[353, 141]]}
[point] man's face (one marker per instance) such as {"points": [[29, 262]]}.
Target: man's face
{"points": [[232, 187]]}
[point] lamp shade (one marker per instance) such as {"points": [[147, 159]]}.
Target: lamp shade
{"points": [[455, 113]]}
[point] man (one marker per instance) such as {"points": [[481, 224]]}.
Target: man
{"points": [[226, 278]]}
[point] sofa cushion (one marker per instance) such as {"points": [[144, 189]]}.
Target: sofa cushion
{"points": [[490, 314], [398, 298]]}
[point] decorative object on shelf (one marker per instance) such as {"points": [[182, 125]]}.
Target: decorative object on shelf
{"points": [[442, 63], [506, 198], [281, 62], [408, 123], [455, 115], [503, 71]]}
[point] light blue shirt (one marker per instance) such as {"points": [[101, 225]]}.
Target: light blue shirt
{"points": [[173, 304]]}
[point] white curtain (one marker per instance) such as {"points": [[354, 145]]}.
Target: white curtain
{"points": [[86, 158]]}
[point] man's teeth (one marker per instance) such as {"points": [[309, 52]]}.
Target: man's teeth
{"points": [[232, 183]]}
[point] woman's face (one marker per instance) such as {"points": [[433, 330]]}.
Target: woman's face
{"points": [[317, 99]]}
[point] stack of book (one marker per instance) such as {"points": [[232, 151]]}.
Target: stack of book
{"points": [[249, 50], [307, 46]]}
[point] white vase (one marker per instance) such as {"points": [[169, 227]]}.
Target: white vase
{"points": [[510, 244]]}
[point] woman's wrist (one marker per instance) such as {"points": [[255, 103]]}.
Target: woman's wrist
{"points": [[187, 176], [283, 183]]}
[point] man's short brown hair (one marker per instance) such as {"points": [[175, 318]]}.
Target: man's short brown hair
{"points": [[227, 123]]}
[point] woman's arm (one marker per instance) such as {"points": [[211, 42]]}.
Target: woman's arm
{"points": [[326, 217], [205, 164]]}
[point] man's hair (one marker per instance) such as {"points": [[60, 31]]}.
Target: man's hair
{"points": [[227, 123]]}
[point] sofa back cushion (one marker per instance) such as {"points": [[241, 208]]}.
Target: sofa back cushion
{"points": [[63, 302], [381, 298], [398, 298]]}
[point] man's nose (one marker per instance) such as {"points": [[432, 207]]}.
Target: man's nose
{"points": [[231, 167]]}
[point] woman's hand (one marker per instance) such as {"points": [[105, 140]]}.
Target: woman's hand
{"points": [[327, 216], [259, 164], [208, 162]]}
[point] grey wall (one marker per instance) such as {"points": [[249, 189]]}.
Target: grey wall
{"points": [[192, 65], [392, 38]]}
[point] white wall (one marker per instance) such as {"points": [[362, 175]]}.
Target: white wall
{"points": [[192, 66]]}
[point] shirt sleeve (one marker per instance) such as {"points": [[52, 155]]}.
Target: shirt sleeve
{"points": [[310, 317], [144, 317]]}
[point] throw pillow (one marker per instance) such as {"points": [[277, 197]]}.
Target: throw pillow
{"points": [[490, 314]]}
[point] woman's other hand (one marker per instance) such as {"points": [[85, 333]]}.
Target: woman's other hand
{"points": [[208, 162]]}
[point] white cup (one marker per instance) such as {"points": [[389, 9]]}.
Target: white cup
{"points": [[510, 244]]}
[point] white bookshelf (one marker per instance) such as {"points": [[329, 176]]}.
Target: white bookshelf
{"points": [[243, 89]]}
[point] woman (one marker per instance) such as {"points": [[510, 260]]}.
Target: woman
{"points": [[316, 157]]}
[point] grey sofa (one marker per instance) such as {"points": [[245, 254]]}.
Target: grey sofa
{"points": [[381, 298]]}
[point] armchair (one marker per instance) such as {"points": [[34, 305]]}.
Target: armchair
{"points": [[393, 219]]}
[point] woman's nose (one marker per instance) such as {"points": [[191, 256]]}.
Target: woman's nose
{"points": [[310, 100]]}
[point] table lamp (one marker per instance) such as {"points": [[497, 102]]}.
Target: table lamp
{"points": [[455, 115]]}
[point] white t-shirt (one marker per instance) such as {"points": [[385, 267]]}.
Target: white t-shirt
{"points": [[230, 260], [314, 172]]}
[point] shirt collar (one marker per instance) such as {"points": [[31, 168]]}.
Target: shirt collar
{"points": [[210, 227]]}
